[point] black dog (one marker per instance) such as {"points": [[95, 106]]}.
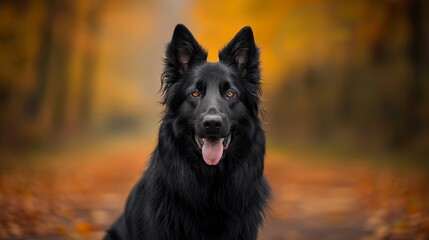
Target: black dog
{"points": [[205, 178]]}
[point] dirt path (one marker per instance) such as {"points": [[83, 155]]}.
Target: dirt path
{"points": [[76, 195], [313, 202]]}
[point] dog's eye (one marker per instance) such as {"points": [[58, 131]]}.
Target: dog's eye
{"points": [[230, 94], [195, 94]]}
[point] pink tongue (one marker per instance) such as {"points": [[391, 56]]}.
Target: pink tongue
{"points": [[212, 151]]}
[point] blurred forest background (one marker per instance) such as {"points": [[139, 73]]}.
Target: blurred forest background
{"points": [[351, 74], [342, 80]]}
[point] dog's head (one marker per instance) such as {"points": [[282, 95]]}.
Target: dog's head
{"points": [[210, 100]]}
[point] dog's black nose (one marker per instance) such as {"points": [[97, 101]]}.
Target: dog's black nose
{"points": [[212, 122]]}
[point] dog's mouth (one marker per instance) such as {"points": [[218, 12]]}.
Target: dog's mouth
{"points": [[212, 148]]}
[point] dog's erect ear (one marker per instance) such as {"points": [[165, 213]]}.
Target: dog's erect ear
{"points": [[243, 55], [241, 51], [184, 50], [182, 53]]}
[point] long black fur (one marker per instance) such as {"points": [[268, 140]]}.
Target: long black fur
{"points": [[179, 195]]}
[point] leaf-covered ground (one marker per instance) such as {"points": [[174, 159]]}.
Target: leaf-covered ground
{"points": [[77, 194]]}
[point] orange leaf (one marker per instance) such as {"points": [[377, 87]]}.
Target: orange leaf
{"points": [[83, 227]]}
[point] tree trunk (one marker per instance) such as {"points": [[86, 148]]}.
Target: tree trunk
{"points": [[35, 100]]}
